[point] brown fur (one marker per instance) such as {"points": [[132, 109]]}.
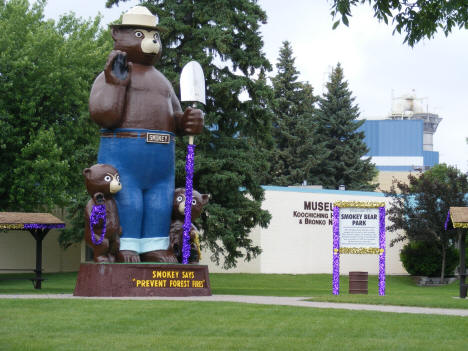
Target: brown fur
{"points": [[142, 98], [177, 225], [99, 189]]}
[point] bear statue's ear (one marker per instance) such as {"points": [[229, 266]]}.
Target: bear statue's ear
{"points": [[205, 198], [86, 172]]}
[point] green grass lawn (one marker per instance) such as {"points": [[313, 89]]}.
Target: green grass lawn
{"points": [[400, 289], [28, 324], [178, 325]]}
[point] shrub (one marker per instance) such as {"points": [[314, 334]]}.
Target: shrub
{"points": [[425, 258]]}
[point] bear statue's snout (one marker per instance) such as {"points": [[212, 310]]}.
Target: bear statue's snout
{"points": [[115, 186], [150, 46]]}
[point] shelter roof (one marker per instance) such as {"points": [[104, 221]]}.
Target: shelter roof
{"points": [[28, 221], [457, 218]]}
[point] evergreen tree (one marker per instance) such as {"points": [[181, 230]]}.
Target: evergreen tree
{"points": [[296, 152], [337, 127], [229, 160]]}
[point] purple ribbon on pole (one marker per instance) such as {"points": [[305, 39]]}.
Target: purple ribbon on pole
{"points": [[382, 253], [189, 166], [447, 221], [336, 250]]}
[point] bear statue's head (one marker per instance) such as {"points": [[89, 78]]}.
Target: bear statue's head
{"points": [[101, 181], [178, 206], [138, 36]]}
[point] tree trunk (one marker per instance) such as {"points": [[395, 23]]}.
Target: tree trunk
{"points": [[442, 271]]}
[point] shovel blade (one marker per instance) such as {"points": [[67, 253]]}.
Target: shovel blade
{"points": [[192, 83]]}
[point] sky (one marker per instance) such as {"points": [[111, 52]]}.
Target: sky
{"points": [[376, 64]]}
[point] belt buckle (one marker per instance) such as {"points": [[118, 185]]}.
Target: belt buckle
{"points": [[158, 138]]}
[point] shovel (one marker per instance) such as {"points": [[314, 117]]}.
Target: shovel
{"points": [[192, 88]]}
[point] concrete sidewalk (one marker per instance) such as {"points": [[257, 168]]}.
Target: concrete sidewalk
{"points": [[266, 300]]}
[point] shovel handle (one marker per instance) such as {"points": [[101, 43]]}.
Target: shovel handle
{"points": [[192, 137]]}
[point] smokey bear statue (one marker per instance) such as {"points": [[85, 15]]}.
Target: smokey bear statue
{"points": [[177, 225], [140, 115], [102, 228]]}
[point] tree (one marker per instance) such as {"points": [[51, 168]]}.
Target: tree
{"points": [[418, 19], [46, 136], [337, 129], [296, 150], [420, 207], [229, 159], [46, 139]]}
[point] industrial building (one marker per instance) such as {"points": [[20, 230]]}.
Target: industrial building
{"points": [[403, 140]]}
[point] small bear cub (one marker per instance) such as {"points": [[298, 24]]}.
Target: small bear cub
{"points": [[102, 228], [177, 225]]}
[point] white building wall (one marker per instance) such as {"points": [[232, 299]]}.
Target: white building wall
{"points": [[288, 246], [396, 160], [291, 246], [18, 251]]}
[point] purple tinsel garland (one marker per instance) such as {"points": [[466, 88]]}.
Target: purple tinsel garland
{"points": [[188, 202], [98, 213], [336, 250], [43, 226], [382, 253], [447, 220]]}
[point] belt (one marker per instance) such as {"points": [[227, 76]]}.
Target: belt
{"points": [[150, 137]]}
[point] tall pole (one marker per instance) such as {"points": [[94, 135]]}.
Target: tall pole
{"points": [[38, 282], [39, 235], [462, 265]]}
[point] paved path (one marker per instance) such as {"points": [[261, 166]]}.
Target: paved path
{"points": [[266, 300]]}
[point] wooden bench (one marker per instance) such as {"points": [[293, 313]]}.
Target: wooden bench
{"points": [[38, 224]]}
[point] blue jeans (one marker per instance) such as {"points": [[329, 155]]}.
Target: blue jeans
{"points": [[147, 173]]}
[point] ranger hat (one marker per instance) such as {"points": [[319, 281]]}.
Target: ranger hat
{"points": [[141, 17]]}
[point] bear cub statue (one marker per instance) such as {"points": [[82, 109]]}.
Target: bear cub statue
{"points": [[176, 232], [102, 228]]}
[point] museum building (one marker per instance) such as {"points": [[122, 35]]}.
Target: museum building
{"points": [[299, 238]]}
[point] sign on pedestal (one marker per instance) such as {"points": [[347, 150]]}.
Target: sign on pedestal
{"points": [[142, 279]]}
